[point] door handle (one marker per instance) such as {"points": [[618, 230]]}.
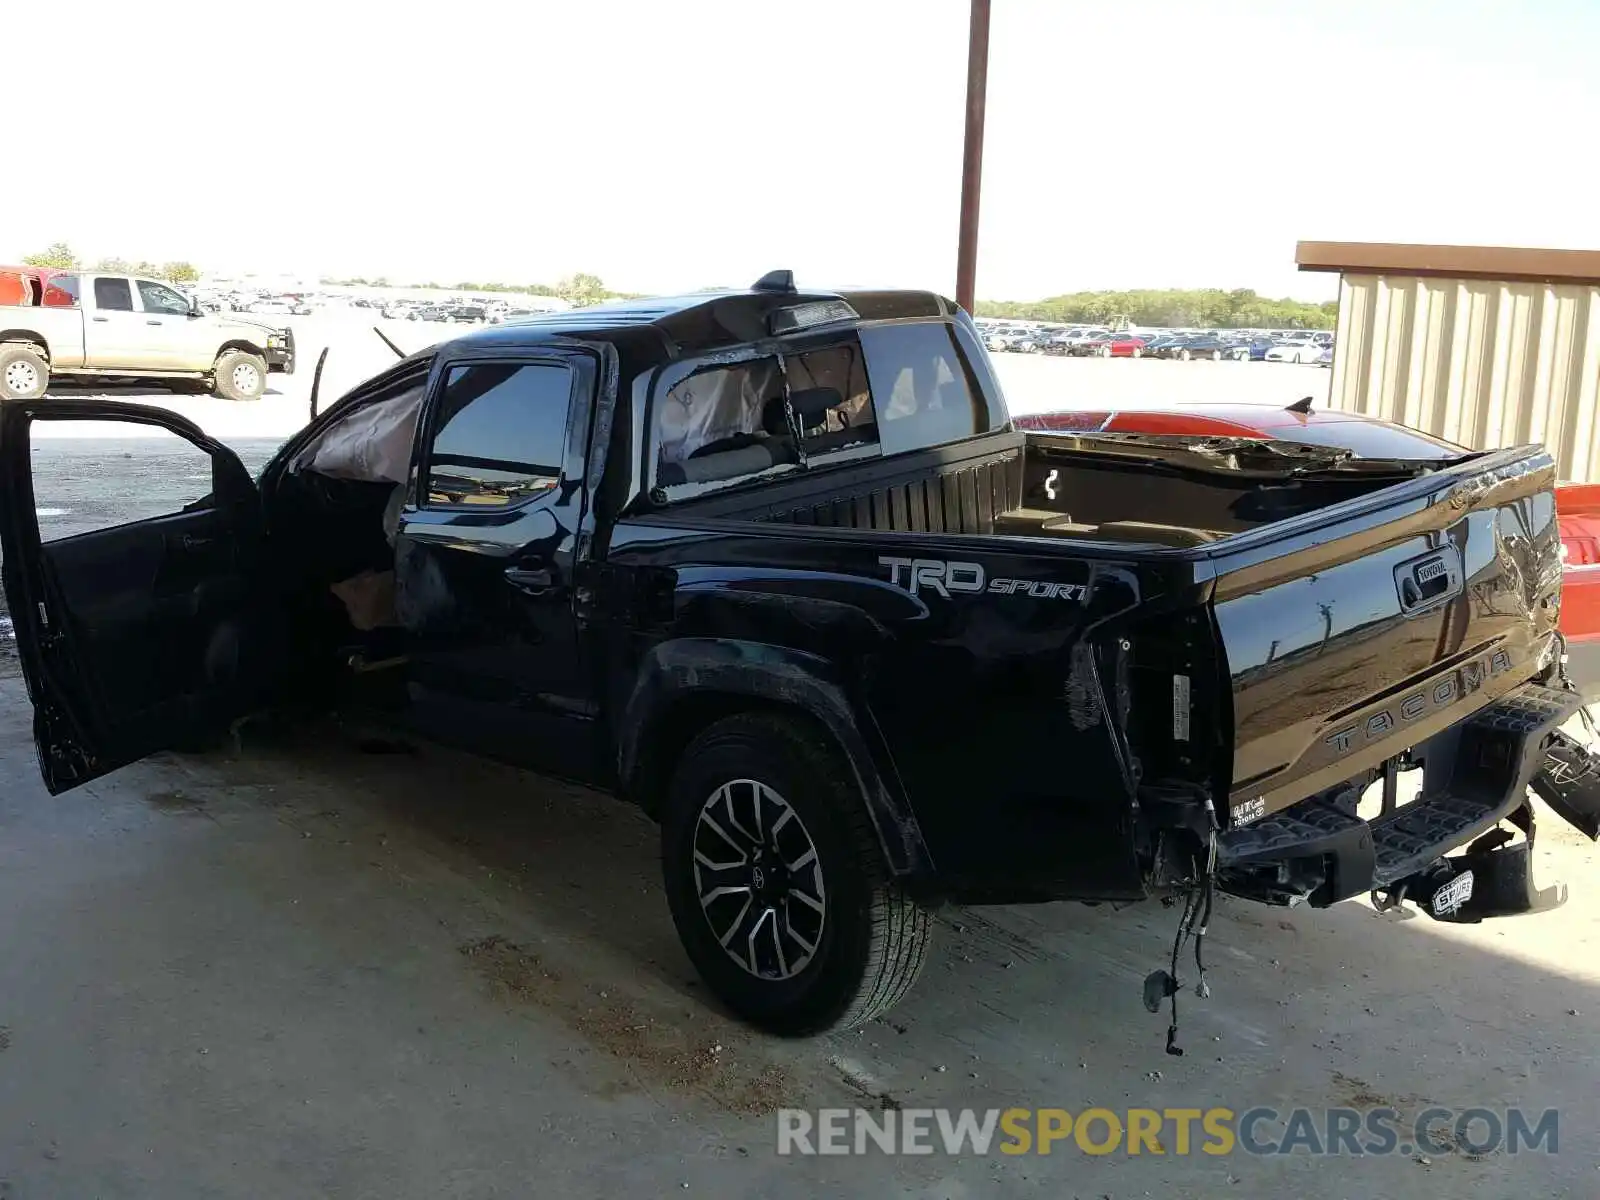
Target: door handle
{"points": [[152, 322], [102, 320], [1428, 579], [532, 580]]}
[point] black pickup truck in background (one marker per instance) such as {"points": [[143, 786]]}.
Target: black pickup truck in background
{"points": [[777, 567]]}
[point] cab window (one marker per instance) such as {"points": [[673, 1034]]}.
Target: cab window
{"points": [[113, 294], [922, 388], [731, 422], [60, 291], [499, 435], [831, 401], [715, 412], [158, 298]]}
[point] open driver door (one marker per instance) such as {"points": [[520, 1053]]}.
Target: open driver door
{"points": [[142, 636]]}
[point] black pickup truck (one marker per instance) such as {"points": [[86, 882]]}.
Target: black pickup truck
{"points": [[777, 566]]}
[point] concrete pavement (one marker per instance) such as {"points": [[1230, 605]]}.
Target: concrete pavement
{"points": [[304, 967]]}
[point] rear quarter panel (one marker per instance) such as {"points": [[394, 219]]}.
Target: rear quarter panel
{"points": [[988, 710], [60, 328]]}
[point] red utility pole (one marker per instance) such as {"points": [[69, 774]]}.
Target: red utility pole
{"points": [[972, 156]]}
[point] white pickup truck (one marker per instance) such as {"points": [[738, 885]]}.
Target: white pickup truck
{"points": [[85, 323]]}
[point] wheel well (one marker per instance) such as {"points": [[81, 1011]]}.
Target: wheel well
{"points": [[668, 735], [239, 344], [27, 337]]}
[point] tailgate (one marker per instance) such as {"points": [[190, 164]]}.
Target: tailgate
{"points": [[1359, 630]]}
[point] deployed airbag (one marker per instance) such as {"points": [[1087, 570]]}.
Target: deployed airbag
{"points": [[372, 443]]}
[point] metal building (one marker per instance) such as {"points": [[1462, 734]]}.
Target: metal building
{"points": [[1485, 345]]}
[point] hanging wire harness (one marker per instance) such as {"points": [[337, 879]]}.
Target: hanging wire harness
{"points": [[1198, 898]]}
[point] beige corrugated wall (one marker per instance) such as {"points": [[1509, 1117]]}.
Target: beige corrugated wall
{"points": [[1481, 362]]}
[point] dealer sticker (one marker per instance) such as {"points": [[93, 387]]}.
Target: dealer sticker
{"points": [[1452, 895]]}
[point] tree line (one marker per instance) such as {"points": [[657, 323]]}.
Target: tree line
{"points": [[59, 254], [1195, 308]]}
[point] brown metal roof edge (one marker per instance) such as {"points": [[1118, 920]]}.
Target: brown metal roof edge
{"points": [[1456, 262]]}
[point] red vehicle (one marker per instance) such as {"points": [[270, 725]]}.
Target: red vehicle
{"points": [[1577, 504], [33, 286], [1118, 345]]}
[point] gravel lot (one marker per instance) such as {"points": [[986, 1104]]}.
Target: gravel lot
{"points": [[303, 968]]}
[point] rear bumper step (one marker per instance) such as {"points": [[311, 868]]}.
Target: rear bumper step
{"points": [[1477, 773]]}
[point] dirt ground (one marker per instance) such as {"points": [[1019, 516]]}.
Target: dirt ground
{"points": [[316, 964]]}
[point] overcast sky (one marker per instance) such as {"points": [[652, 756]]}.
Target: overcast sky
{"points": [[667, 145]]}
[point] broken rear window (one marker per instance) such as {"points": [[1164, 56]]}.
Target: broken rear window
{"points": [[737, 421]]}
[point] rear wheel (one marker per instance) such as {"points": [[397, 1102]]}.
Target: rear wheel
{"points": [[777, 883], [24, 372], [1105, 351], [239, 375], [1184, 355]]}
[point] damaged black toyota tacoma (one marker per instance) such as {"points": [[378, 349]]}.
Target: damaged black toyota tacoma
{"points": [[777, 566]]}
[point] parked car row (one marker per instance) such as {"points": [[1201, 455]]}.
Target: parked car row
{"points": [[450, 314], [464, 310], [454, 311], [1235, 345]]}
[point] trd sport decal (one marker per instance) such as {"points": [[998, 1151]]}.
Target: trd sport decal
{"points": [[936, 575]]}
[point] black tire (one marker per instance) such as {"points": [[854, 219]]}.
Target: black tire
{"points": [[231, 378], [870, 941], [24, 372]]}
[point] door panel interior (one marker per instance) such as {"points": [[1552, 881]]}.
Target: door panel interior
{"points": [[143, 636], [158, 624]]}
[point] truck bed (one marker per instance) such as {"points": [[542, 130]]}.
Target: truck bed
{"points": [[1335, 600], [1033, 485]]}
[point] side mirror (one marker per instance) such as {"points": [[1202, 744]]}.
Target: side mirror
{"points": [[194, 307]]}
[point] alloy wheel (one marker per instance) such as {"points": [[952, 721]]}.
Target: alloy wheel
{"points": [[759, 880]]}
